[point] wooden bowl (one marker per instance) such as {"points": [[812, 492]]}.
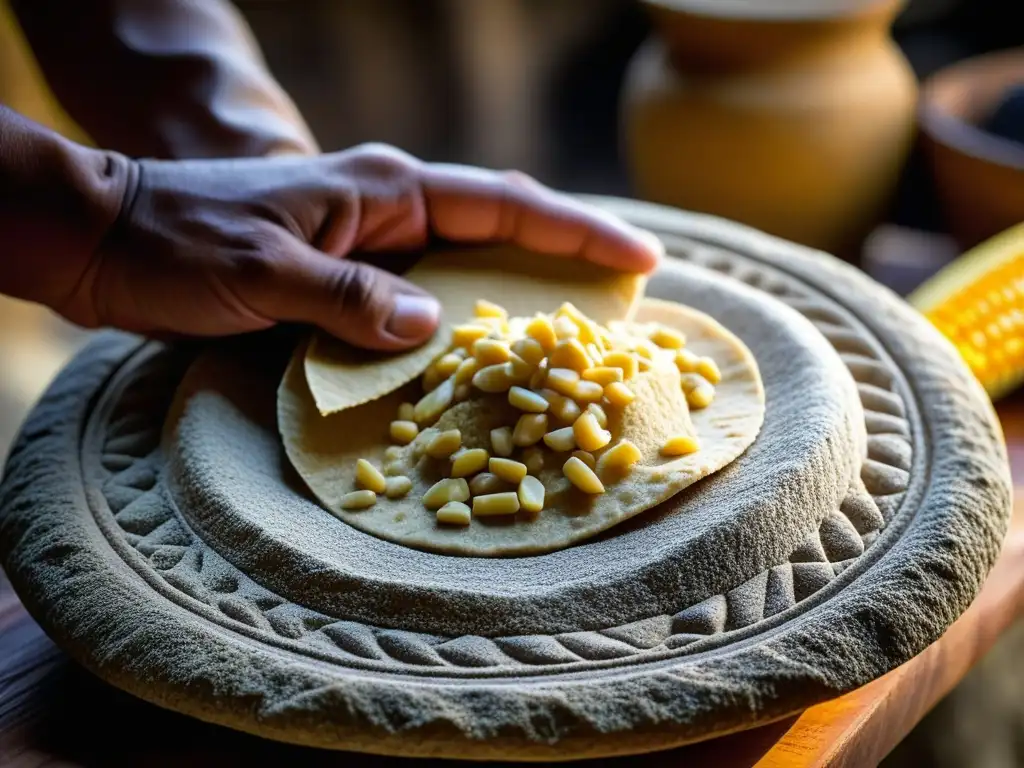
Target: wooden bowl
{"points": [[979, 176]]}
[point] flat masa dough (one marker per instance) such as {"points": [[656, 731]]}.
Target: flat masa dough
{"points": [[341, 376], [324, 450]]}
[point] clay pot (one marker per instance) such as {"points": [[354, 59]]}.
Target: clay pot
{"points": [[979, 176], [795, 117]]}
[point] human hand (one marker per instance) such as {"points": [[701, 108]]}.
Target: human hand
{"points": [[228, 246]]}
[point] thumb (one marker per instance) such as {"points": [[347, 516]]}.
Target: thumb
{"points": [[356, 302]]}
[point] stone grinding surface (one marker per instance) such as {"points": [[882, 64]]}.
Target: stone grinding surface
{"points": [[141, 601], [232, 484]]}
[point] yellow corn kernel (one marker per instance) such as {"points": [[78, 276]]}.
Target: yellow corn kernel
{"points": [[690, 381], [565, 328], [528, 401], [586, 457], [406, 412], [686, 361], [369, 477], [645, 350], [566, 411], [454, 513], [568, 309], [443, 491], [594, 352], [468, 367], [508, 470], [668, 338], [624, 360], [397, 487], [582, 476], [492, 504], [358, 500], [444, 444], [618, 460], [469, 461], [496, 326], [465, 335], [419, 445], [531, 494], [448, 364], [492, 379], [501, 441], [540, 375], [603, 375], [542, 331], [588, 433], [709, 370], [588, 332], [431, 378], [485, 308], [587, 391], [680, 445], [553, 398], [560, 439], [404, 432], [569, 353], [700, 396], [433, 404], [519, 370], [618, 394], [485, 483], [462, 392], [393, 452], [533, 459], [562, 380], [643, 363], [599, 414], [490, 351], [529, 350], [529, 429]]}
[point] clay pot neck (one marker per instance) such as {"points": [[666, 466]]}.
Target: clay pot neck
{"points": [[701, 42]]}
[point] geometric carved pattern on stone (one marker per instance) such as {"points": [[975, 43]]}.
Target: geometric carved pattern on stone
{"points": [[886, 474], [151, 524]]}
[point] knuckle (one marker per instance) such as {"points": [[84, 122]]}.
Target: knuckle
{"points": [[258, 261], [354, 286], [383, 159], [520, 180], [383, 152]]}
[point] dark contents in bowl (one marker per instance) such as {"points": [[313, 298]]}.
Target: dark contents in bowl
{"points": [[1007, 119]]}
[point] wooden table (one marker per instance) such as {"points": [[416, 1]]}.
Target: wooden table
{"points": [[52, 713]]}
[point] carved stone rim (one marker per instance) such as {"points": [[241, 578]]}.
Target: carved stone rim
{"points": [[282, 552]]}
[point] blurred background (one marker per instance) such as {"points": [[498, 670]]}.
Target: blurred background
{"points": [[581, 94]]}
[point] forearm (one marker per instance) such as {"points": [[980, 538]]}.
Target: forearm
{"points": [[163, 78], [58, 200]]}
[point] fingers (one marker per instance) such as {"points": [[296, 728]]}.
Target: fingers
{"points": [[351, 300], [476, 205]]}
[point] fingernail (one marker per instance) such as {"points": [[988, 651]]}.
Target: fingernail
{"points": [[653, 242], [413, 317]]}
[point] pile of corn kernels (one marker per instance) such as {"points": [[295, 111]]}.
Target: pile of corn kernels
{"points": [[563, 373]]}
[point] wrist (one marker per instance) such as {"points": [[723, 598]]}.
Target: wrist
{"points": [[60, 201], [106, 183]]}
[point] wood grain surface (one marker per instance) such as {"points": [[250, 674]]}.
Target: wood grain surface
{"points": [[53, 713]]}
